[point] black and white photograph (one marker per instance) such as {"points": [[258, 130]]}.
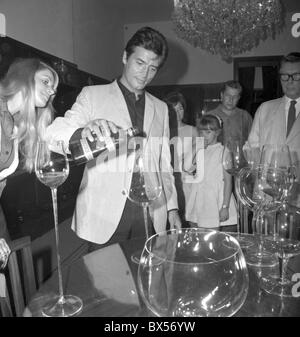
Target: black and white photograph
{"points": [[149, 161]]}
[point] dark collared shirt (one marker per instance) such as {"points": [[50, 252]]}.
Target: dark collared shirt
{"points": [[136, 107]]}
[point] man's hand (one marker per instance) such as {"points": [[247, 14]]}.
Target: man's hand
{"points": [[101, 127], [174, 219]]}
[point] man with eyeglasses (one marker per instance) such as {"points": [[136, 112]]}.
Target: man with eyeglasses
{"points": [[277, 121]]}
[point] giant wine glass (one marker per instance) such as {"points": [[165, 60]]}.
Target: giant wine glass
{"points": [[233, 160], [143, 187], [285, 244], [277, 156], [193, 272], [52, 169], [261, 190]]}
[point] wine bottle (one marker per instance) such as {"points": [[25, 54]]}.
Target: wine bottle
{"points": [[83, 150]]}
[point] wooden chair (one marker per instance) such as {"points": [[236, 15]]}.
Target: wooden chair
{"points": [[20, 280]]}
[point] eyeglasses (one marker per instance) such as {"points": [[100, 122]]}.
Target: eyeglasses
{"points": [[286, 77]]}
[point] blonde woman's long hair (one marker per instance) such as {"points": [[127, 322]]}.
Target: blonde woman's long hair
{"points": [[31, 121]]}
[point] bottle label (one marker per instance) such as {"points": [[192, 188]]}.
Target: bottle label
{"points": [[86, 149]]}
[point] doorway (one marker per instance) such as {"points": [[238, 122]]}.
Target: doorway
{"points": [[259, 79]]}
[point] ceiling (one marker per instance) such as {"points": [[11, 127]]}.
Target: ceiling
{"points": [[137, 11]]}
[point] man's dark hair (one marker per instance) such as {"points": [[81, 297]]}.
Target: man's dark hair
{"points": [[232, 84], [149, 39], [290, 58]]}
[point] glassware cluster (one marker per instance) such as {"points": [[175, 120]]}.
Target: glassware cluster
{"points": [[265, 189]]}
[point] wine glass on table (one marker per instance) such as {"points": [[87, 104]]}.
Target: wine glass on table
{"points": [[277, 156], [285, 241], [52, 169], [260, 189], [233, 160], [142, 186]]}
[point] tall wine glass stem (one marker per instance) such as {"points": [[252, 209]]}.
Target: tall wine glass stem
{"points": [[239, 208], [258, 222], [283, 263], [55, 214], [145, 212]]}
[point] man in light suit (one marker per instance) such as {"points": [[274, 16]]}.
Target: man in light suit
{"points": [[277, 121], [103, 214]]}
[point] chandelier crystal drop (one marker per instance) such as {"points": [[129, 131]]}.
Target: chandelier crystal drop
{"points": [[227, 27]]}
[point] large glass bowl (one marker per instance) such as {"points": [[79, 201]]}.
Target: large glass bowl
{"points": [[193, 272]]}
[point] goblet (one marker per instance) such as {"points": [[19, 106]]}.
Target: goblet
{"points": [[277, 156], [143, 187], [261, 190], [193, 272], [233, 160], [285, 244], [286, 240], [52, 169]]}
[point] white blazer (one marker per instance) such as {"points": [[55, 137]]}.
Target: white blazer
{"points": [[101, 199], [269, 127]]}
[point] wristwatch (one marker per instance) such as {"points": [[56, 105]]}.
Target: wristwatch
{"points": [[224, 206]]}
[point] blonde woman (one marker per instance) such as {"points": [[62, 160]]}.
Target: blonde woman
{"points": [[26, 94]]}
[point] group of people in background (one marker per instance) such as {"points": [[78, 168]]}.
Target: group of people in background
{"points": [[103, 214], [208, 201]]}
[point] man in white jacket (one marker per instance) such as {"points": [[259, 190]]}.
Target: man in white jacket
{"points": [[277, 121], [103, 213]]}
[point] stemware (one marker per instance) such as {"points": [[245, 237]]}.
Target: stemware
{"points": [[143, 187], [285, 244], [193, 272], [233, 160], [277, 156], [260, 189], [52, 169]]}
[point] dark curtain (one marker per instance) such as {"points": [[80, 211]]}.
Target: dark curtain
{"points": [[270, 83], [246, 78]]}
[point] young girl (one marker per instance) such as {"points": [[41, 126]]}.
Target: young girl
{"points": [[211, 203]]}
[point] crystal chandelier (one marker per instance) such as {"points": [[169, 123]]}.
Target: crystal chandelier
{"points": [[227, 27]]}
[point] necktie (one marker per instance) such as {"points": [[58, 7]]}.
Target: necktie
{"points": [[291, 117]]}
